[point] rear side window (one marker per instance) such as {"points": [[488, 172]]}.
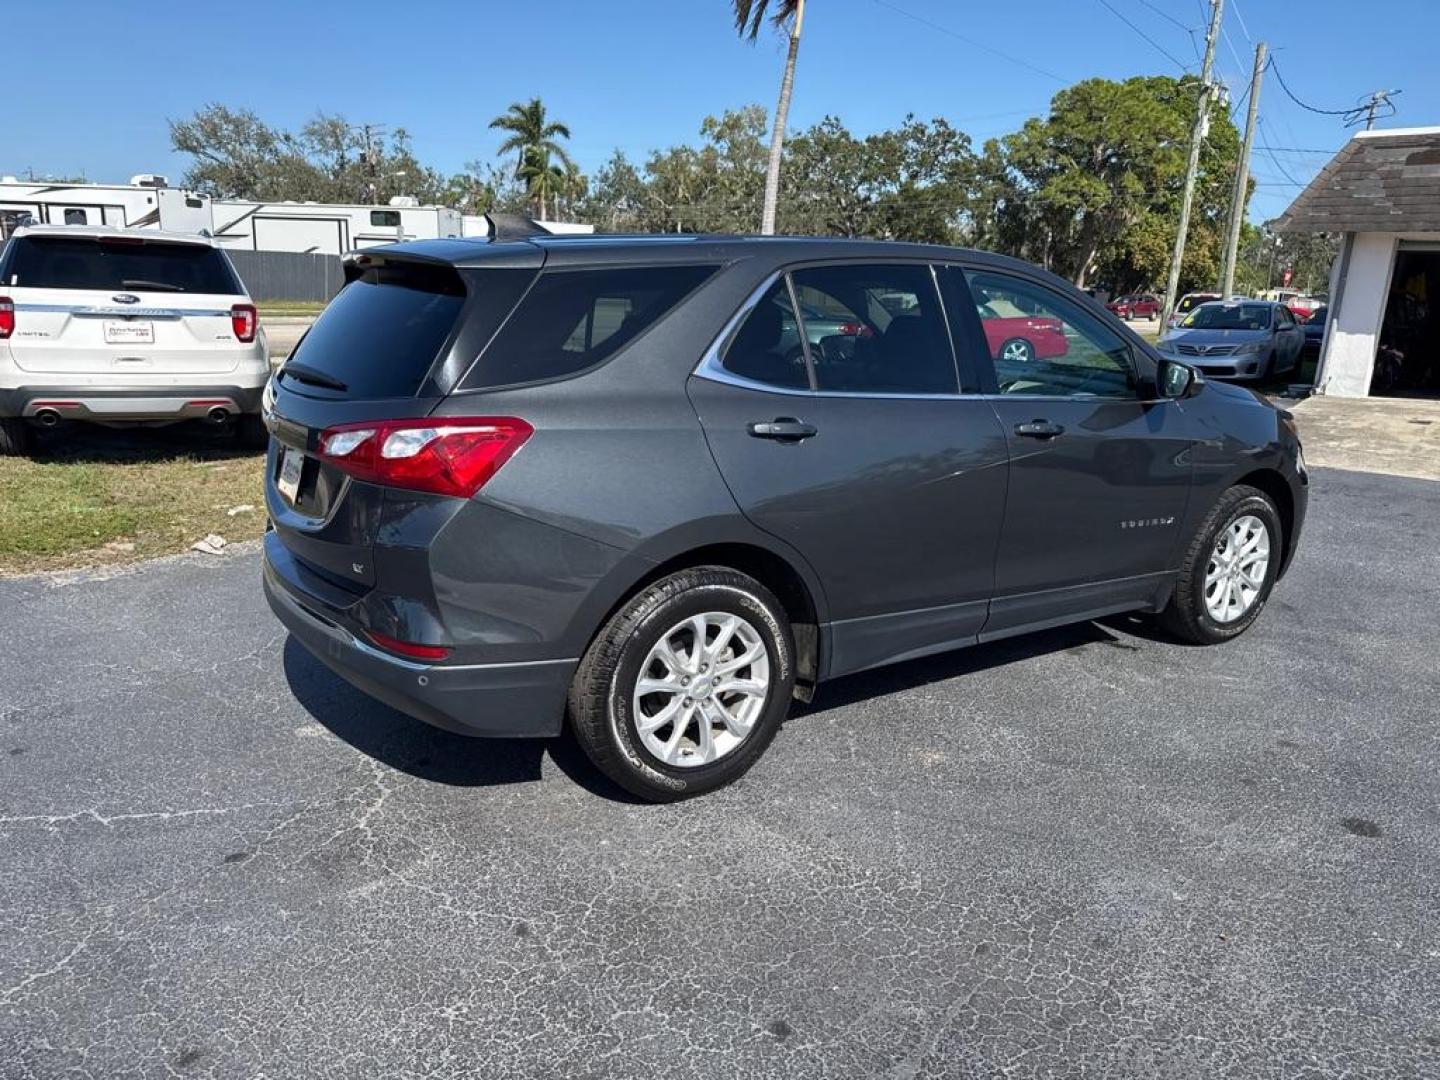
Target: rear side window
{"points": [[571, 320], [875, 329], [379, 337], [118, 264], [767, 346]]}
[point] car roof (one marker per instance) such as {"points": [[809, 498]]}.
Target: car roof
{"points": [[639, 249], [100, 232]]}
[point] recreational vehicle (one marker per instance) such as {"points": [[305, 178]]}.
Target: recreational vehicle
{"points": [[147, 202], [328, 228]]}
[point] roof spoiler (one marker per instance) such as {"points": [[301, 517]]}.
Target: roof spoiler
{"points": [[514, 227]]}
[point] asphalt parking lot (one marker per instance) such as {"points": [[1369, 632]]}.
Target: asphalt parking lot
{"points": [[1087, 853]]}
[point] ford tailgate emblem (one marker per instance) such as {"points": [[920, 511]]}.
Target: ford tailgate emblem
{"points": [[125, 298]]}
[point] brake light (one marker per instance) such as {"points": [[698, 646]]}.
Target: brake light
{"points": [[7, 317], [244, 321], [408, 648], [855, 329], [446, 455]]}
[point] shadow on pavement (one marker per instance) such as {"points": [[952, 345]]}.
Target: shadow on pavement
{"points": [[76, 443], [414, 747]]}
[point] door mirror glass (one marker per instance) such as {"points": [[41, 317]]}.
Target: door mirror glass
{"points": [[1177, 380]]}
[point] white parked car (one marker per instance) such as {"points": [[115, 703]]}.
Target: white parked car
{"points": [[119, 327]]}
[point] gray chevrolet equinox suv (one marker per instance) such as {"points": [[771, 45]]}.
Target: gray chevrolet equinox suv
{"points": [[663, 485]]}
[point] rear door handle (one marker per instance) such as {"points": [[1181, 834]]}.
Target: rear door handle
{"points": [[783, 429], [1040, 429]]}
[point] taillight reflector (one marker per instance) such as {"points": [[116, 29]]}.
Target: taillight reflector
{"points": [[446, 455], [408, 648], [7, 316], [244, 320]]}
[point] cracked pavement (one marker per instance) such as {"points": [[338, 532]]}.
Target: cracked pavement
{"points": [[1084, 853]]}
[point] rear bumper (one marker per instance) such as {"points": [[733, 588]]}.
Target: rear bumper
{"points": [[487, 700], [129, 404]]}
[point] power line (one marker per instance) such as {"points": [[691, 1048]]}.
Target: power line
{"points": [[982, 46], [1290, 94], [1235, 7], [1264, 143], [1155, 44], [1166, 15]]}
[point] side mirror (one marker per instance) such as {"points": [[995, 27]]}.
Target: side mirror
{"points": [[1177, 380]]}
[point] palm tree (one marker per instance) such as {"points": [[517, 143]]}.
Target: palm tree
{"points": [[533, 140], [789, 16]]}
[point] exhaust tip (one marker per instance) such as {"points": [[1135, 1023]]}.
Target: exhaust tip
{"points": [[47, 417], [218, 415]]}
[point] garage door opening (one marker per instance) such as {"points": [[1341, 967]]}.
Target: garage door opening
{"points": [[1407, 361]]}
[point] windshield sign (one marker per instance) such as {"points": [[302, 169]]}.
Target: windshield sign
{"points": [[1229, 317]]}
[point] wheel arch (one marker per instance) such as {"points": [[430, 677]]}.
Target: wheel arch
{"points": [[785, 575], [1274, 484]]}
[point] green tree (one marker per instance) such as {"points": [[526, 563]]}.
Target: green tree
{"points": [[534, 139], [789, 16], [1088, 190]]}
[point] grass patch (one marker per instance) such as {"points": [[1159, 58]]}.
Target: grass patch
{"points": [[92, 496], [289, 307]]}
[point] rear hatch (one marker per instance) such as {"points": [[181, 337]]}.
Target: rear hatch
{"points": [[122, 305], [390, 346]]}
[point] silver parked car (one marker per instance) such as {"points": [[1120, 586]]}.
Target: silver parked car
{"points": [[1237, 339]]}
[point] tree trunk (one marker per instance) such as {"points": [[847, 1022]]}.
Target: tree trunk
{"points": [[777, 136]]}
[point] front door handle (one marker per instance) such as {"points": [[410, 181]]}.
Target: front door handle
{"points": [[782, 429], [1040, 429]]}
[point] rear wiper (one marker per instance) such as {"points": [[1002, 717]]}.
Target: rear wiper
{"points": [[313, 376], [141, 283]]}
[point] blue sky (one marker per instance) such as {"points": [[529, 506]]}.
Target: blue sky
{"points": [[101, 79]]}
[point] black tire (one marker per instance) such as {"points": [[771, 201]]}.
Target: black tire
{"points": [[17, 438], [1154, 316], [601, 708], [1027, 350], [1187, 616], [250, 432]]}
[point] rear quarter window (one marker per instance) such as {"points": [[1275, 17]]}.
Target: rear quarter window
{"points": [[571, 320], [117, 264]]}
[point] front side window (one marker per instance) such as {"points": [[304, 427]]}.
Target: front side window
{"points": [[571, 320], [1043, 343], [875, 329]]}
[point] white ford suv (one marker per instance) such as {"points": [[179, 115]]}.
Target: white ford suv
{"points": [[121, 326]]}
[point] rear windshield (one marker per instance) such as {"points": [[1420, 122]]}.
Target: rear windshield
{"points": [[1188, 302], [379, 337], [114, 265], [1229, 317], [571, 320]]}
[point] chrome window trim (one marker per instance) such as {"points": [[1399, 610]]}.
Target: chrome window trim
{"points": [[712, 369]]}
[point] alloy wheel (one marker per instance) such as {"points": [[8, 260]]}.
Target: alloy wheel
{"points": [[701, 690], [1236, 572]]}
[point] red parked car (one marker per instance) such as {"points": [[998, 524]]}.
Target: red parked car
{"points": [[1015, 336], [1136, 306]]}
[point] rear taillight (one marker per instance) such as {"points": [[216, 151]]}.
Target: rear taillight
{"points": [[244, 321], [446, 455], [855, 329], [7, 317]]}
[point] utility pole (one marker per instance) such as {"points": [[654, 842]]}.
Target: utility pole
{"points": [[1197, 139], [1242, 178]]}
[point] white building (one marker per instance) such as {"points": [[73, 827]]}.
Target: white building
{"points": [[1381, 192]]}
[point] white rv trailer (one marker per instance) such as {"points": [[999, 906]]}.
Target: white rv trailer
{"points": [[147, 202], [328, 228], [479, 225]]}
